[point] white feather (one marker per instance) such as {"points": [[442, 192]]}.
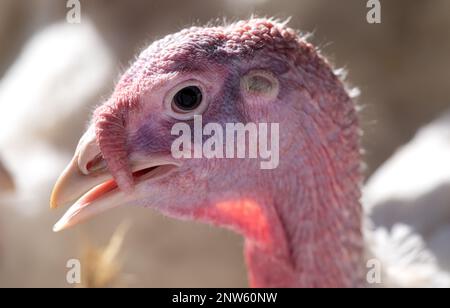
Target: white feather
{"points": [[45, 95], [408, 202]]}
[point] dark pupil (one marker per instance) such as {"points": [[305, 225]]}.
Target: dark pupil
{"points": [[188, 98]]}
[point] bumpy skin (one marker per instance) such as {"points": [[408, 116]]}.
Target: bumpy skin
{"points": [[302, 220]]}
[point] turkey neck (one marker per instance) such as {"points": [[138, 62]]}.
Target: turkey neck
{"points": [[316, 217]]}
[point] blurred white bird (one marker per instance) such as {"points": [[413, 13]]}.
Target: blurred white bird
{"points": [[408, 201], [45, 98], [46, 95], [6, 182]]}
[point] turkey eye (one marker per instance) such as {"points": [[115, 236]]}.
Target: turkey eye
{"points": [[187, 99]]}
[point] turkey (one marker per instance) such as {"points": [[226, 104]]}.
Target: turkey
{"points": [[30, 138], [302, 221], [408, 201], [65, 68]]}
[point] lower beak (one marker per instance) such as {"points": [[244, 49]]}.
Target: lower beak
{"points": [[102, 194]]}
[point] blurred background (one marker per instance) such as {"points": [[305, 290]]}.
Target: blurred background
{"points": [[52, 73]]}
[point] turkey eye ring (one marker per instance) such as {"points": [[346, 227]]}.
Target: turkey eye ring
{"points": [[187, 99]]}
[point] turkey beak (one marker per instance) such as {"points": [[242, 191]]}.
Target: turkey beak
{"points": [[76, 178], [87, 176], [79, 180]]}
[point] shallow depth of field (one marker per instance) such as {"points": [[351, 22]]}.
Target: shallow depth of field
{"points": [[53, 73]]}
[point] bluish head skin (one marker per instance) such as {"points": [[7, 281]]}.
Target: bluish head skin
{"points": [[252, 71], [136, 120]]}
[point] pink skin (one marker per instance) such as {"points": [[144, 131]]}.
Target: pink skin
{"points": [[302, 220]]}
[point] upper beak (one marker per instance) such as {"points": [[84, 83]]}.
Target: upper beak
{"points": [[87, 176]]}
